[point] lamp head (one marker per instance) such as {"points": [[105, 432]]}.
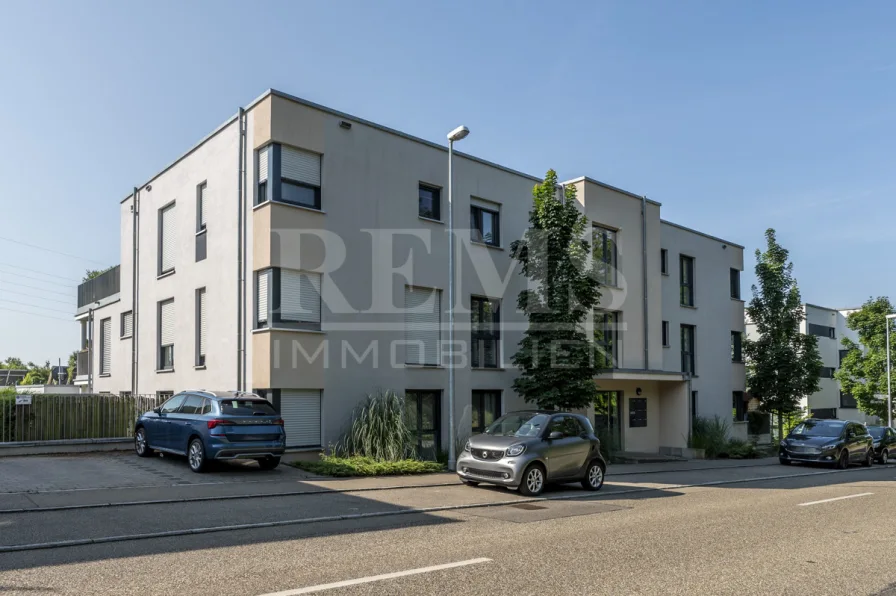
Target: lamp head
{"points": [[458, 133]]}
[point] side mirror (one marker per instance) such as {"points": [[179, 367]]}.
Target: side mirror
{"points": [[555, 435], [157, 410]]}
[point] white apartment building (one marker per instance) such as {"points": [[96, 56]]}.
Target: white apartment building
{"points": [[829, 326], [302, 253]]}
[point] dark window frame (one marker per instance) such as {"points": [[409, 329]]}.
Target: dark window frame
{"points": [[200, 207], [275, 319], [737, 346], [666, 339], [738, 406], [436, 196], [477, 402], [477, 335], [827, 372], [687, 264], [821, 330], [121, 323], [609, 254], [689, 357], [165, 353], [848, 401], [476, 225], [160, 238], [316, 205], [664, 261], [734, 283], [418, 395]]}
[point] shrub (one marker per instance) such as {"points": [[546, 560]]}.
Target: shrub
{"points": [[738, 449], [710, 435], [758, 423], [366, 466], [378, 430]]}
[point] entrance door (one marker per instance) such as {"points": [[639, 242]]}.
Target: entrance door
{"points": [[422, 416], [608, 420]]}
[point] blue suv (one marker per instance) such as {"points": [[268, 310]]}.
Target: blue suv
{"points": [[213, 425]]}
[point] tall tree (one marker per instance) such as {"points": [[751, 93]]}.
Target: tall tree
{"points": [[556, 356], [863, 372], [13, 362], [783, 364]]}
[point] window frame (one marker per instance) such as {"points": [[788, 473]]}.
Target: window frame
{"points": [[160, 240], [477, 405], [687, 294], [609, 277], [163, 349], [664, 262], [476, 225], [200, 207], [818, 330], [847, 401], [602, 342], [121, 323], [275, 288], [738, 406], [737, 346], [734, 283], [436, 192], [200, 346], [689, 356], [666, 339], [105, 368], [477, 304], [418, 431], [290, 182]]}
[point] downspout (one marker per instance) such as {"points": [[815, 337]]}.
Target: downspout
{"points": [[644, 281], [245, 241], [135, 273], [239, 259], [90, 350]]}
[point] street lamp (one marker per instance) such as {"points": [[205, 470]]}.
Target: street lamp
{"points": [[455, 135], [889, 394]]}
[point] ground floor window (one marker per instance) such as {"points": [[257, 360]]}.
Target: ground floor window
{"points": [[739, 406], [608, 419], [486, 406], [422, 415], [824, 413]]}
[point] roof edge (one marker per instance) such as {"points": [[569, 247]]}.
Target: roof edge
{"points": [[699, 233], [611, 187]]}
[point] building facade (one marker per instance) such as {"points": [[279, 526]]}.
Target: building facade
{"points": [[303, 253]]}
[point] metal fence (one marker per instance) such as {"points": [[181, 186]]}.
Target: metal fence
{"points": [[39, 418]]}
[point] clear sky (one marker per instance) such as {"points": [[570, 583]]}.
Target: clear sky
{"points": [[735, 116]]}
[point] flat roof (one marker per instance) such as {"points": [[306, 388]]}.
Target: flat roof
{"points": [[699, 233]]}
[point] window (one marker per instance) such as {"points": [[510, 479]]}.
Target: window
{"points": [[262, 298], [429, 202], [422, 416], [422, 318], [299, 177], [739, 406], [606, 338], [485, 225], [734, 281], [200, 206], [486, 408], [822, 331], [127, 324], [637, 412], [603, 250], [167, 233], [737, 346], [263, 166], [666, 334], [827, 372], [843, 354], [687, 349], [664, 261], [166, 335], [201, 326], [485, 332], [192, 404], [105, 346], [207, 407], [847, 400], [173, 403], [824, 413], [694, 414], [687, 280], [301, 413], [287, 299]]}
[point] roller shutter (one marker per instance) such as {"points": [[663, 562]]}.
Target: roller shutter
{"points": [[422, 318], [167, 238], [106, 341], [301, 166], [299, 296], [300, 411], [166, 323]]}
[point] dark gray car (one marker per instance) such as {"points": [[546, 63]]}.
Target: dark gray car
{"points": [[529, 449]]}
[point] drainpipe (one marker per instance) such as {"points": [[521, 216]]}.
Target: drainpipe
{"points": [[239, 263], [90, 350], [135, 270], [644, 281], [245, 241]]}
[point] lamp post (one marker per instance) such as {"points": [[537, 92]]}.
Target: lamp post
{"points": [[455, 135], [889, 393]]}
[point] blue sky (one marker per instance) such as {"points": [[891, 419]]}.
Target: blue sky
{"points": [[736, 116]]}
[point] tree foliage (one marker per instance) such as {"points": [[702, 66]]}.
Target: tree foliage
{"points": [[93, 273], [38, 375], [12, 362], [556, 356], [783, 364], [863, 372]]}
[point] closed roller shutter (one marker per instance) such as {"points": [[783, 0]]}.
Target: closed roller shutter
{"points": [[263, 164], [202, 322], [166, 323], [301, 166], [106, 339], [167, 239], [300, 411], [261, 298], [299, 296], [127, 324], [422, 317]]}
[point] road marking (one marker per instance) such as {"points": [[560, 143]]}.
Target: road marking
{"points": [[834, 499], [377, 578]]}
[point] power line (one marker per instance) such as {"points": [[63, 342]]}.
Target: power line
{"points": [[34, 314], [32, 305], [37, 288], [69, 302], [43, 281], [40, 272], [64, 254]]}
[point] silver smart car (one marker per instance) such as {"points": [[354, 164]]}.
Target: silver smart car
{"points": [[526, 450]]}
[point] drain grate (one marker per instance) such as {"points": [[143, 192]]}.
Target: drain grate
{"points": [[528, 506]]}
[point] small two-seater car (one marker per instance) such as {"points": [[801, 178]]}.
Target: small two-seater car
{"points": [[838, 443], [529, 449], [213, 425]]}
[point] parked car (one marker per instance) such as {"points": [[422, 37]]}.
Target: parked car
{"points": [[213, 425], [835, 442], [527, 450], [884, 442]]}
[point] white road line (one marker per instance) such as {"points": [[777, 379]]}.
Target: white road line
{"points": [[377, 578], [834, 499]]}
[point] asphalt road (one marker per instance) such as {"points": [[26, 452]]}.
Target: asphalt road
{"points": [[746, 531]]}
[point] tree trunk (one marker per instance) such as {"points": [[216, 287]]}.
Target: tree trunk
{"points": [[780, 426]]}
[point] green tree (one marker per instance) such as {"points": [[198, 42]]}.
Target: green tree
{"points": [[556, 356], [783, 364], [863, 372], [12, 362], [92, 273], [38, 375], [72, 366]]}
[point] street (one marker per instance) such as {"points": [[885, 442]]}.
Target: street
{"points": [[753, 529]]}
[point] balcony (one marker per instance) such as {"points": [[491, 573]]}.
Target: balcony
{"points": [[81, 370], [104, 285]]}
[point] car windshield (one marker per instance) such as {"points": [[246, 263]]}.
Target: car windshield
{"points": [[876, 431], [819, 428], [246, 407], [522, 424]]}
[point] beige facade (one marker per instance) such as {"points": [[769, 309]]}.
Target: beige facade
{"points": [[366, 247]]}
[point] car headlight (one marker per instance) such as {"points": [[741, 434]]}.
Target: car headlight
{"points": [[829, 447], [515, 450], [467, 446], [784, 443]]}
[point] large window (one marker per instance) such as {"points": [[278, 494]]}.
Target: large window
{"points": [[687, 280], [105, 346], [167, 238], [201, 326], [847, 400], [166, 335], [422, 318], [485, 224], [666, 334], [827, 372], [286, 298], [485, 332], [289, 175], [737, 346], [429, 202], [734, 282], [687, 349], [606, 338], [486, 408], [422, 416], [603, 249], [822, 331], [664, 261]]}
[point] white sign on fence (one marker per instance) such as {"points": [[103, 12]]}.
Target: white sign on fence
{"points": [[23, 400]]}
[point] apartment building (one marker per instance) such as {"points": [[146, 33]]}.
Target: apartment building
{"points": [[829, 326], [302, 253]]}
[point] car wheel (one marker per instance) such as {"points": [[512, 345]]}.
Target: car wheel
{"points": [[269, 463], [783, 461], [594, 476], [533, 481], [196, 456], [470, 482], [140, 444], [843, 460], [884, 457], [869, 458]]}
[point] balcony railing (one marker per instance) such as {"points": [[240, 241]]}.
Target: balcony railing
{"points": [[82, 367], [101, 286]]}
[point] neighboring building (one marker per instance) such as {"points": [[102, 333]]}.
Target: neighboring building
{"points": [[12, 376], [829, 326], [330, 281]]}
